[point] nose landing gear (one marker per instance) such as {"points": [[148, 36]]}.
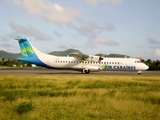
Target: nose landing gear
{"points": [[139, 72]]}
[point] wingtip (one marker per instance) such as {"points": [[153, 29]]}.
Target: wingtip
{"points": [[17, 38]]}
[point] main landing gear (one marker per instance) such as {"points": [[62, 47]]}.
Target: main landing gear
{"points": [[139, 72], [85, 71]]}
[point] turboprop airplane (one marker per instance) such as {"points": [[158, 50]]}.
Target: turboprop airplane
{"points": [[79, 62]]}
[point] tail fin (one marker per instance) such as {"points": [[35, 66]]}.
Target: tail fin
{"points": [[26, 47], [30, 54]]}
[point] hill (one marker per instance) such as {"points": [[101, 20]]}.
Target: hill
{"points": [[65, 52], [113, 55], [117, 55], [7, 55], [14, 56]]}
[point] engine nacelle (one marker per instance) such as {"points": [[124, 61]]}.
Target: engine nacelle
{"points": [[93, 58]]}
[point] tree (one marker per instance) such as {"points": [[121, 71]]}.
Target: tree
{"points": [[3, 59]]}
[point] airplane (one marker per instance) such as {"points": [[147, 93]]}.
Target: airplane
{"points": [[78, 62]]}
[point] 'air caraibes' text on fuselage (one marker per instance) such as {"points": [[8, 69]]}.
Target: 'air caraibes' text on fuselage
{"points": [[105, 67]]}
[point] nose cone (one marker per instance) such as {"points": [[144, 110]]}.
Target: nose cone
{"points": [[145, 67], [142, 67]]}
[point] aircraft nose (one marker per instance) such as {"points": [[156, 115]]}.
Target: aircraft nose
{"points": [[146, 67]]}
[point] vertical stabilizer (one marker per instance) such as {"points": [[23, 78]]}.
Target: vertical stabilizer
{"points": [[26, 47], [29, 53]]}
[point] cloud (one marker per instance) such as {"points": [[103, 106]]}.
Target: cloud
{"points": [[63, 47], [68, 46], [47, 10], [153, 41], [96, 2], [89, 28], [104, 41], [157, 52], [93, 42], [7, 47], [28, 31], [4, 38], [57, 34]]}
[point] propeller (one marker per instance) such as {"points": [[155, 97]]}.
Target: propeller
{"points": [[100, 58]]}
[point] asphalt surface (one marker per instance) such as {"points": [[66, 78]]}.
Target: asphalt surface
{"points": [[53, 71]]}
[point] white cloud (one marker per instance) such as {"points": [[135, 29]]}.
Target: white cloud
{"points": [[157, 52], [4, 39], [3, 48], [68, 46], [28, 31], [48, 10], [93, 42], [57, 34], [153, 41], [96, 2], [63, 47], [7, 46], [104, 41], [88, 28]]}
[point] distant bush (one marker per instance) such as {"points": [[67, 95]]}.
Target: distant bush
{"points": [[10, 96], [24, 107]]}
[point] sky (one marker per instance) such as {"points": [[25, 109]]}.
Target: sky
{"points": [[129, 27]]}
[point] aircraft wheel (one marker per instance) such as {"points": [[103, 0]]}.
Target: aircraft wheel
{"points": [[85, 71], [139, 72], [88, 71]]}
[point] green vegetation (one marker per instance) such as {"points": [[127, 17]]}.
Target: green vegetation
{"points": [[80, 97], [24, 107], [13, 63]]}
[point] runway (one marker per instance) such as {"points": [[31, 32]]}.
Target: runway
{"points": [[53, 71]]}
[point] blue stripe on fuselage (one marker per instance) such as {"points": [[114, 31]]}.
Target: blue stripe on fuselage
{"points": [[33, 60]]}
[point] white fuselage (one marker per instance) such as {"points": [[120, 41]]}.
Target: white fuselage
{"points": [[105, 64], [85, 66]]}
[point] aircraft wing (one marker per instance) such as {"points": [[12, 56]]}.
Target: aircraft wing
{"points": [[80, 56], [87, 57]]}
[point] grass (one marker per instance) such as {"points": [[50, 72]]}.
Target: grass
{"points": [[80, 97]]}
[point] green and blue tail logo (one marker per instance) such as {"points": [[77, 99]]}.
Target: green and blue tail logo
{"points": [[26, 47]]}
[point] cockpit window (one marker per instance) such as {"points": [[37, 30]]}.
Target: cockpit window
{"points": [[138, 61]]}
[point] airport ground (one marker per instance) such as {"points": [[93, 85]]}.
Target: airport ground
{"points": [[46, 94], [56, 71]]}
